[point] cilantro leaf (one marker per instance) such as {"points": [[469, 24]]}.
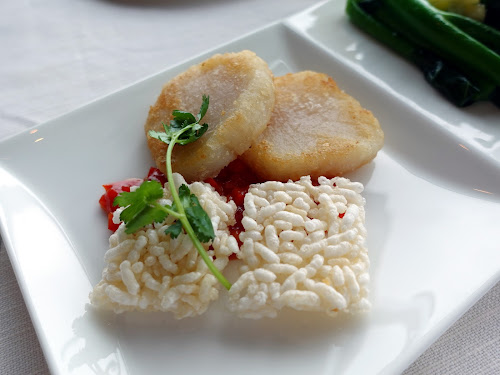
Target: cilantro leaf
{"points": [[184, 127], [196, 215], [195, 132], [142, 208], [147, 216], [161, 136], [148, 191], [174, 230], [183, 116]]}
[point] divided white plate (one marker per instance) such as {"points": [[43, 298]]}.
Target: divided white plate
{"points": [[433, 203]]}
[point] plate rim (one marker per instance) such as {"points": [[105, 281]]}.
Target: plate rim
{"points": [[424, 342]]}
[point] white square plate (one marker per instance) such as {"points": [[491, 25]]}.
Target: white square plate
{"points": [[432, 209]]}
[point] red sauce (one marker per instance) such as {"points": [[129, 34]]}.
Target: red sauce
{"points": [[112, 191], [232, 182], [155, 174]]}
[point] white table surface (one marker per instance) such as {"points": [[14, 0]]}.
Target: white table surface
{"points": [[60, 54]]}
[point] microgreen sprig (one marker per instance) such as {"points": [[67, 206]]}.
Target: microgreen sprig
{"points": [[143, 207]]}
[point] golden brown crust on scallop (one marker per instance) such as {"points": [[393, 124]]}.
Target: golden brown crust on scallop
{"points": [[315, 129], [240, 86]]}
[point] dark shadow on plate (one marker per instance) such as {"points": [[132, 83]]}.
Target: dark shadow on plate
{"points": [[291, 334], [295, 333], [483, 111]]}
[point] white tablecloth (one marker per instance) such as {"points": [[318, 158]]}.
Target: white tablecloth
{"points": [[59, 54]]}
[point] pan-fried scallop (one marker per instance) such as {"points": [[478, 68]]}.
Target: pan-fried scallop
{"points": [[316, 129], [241, 91]]}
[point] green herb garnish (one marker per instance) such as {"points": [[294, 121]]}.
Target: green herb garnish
{"points": [[143, 207]]}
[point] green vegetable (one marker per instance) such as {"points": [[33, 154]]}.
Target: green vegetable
{"points": [[479, 31], [459, 66], [143, 207], [469, 16], [185, 127]]}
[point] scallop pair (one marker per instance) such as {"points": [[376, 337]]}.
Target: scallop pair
{"points": [[283, 128]]}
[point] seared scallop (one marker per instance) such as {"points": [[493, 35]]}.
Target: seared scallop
{"points": [[315, 129], [241, 91]]}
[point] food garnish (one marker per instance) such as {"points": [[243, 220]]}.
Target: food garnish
{"points": [[143, 208], [298, 245], [458, 55]]}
